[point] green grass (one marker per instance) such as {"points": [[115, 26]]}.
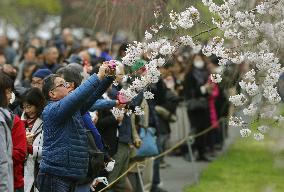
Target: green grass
{"points": [[248, 166]]}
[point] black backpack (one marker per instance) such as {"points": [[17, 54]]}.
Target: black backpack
{"points": [[96, 160]]}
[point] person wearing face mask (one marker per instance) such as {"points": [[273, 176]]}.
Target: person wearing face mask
{"points": [[15, 103], [33, 104], [218, 106], [6, 146], [196, 91], [18, 137], [97, 52]]}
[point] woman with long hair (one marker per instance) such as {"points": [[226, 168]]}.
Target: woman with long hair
{"points": [[6, 124], [197, 90]]}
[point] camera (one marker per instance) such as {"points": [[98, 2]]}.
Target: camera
{"points": [[111, 64]]}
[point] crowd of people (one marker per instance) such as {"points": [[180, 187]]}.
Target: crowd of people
{"points": [[57, 131]]}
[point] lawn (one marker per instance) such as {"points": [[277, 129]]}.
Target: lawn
{"points": [[248, 166]]}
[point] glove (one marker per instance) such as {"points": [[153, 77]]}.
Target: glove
{"points": [[110, 165], [97, 181]]}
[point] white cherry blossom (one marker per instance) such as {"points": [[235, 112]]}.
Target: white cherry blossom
{"points": [[117, 113], [245, 132], [148, 35], [238, 100], [258, 136], [216, 78], [148, 95], [138, 111]]}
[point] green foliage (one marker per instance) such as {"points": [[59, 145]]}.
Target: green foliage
{"points": [[45, 6], [248, 166], [27, 14]]}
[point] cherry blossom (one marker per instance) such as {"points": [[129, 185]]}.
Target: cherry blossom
{"points": [[138, 111], [251, 36], [148, 35], [245, 132], [148, 95], [216, 78], [117, 113]]}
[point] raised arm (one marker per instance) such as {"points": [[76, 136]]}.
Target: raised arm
{"points": [[101, 104], [101, 89], [71, 103]]}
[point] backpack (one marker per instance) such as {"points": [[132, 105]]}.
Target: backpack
{"points": [[96, 160]]}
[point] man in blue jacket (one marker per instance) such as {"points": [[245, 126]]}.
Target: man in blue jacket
{"points": [[74, 78], [65, 148]]}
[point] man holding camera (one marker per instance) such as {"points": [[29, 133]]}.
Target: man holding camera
{"points": [[65, 148]]}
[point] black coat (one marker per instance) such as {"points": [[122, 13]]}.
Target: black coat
{"points": [[159, 89], [222, 104], [107, 126], [199, 119]]}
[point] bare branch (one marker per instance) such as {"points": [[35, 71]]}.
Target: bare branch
{"points": [[206, 31]]}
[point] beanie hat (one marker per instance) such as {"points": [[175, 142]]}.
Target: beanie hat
{"points": [[42, 73], [138, 64]]}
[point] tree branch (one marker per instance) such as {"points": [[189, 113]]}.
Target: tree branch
{"points": [[206, 31]]}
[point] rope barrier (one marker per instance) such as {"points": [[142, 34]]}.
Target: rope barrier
{"points": [[162, 154], [185, 139], [122, 175], [127, 171]]}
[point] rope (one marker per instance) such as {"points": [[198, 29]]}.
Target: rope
{"points": [[127, 171], [162, 154], [185, 139]]}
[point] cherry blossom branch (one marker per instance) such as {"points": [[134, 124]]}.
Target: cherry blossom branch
{"points": [[246, 28], [206, 31]]}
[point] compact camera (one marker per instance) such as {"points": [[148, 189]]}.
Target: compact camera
{"points": [[111, 64]]}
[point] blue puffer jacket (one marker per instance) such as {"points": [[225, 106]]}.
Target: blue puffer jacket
{"points": [[65, 148]]}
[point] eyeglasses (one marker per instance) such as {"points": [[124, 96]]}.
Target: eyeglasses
{"points": [[65, 84]]}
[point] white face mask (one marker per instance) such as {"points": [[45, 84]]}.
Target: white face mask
{"points": [[13, 98], [92, 51], [219, 69], [199, 64]]}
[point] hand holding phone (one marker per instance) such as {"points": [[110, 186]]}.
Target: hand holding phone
{"points": [[30, 138]]}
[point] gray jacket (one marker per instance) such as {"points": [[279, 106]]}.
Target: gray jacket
{"points": [[6, 162]]}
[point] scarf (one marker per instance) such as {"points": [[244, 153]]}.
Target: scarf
{"points": [[200, 75]]}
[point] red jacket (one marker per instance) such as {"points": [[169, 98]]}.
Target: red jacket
{"points": [[19, 151]]}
